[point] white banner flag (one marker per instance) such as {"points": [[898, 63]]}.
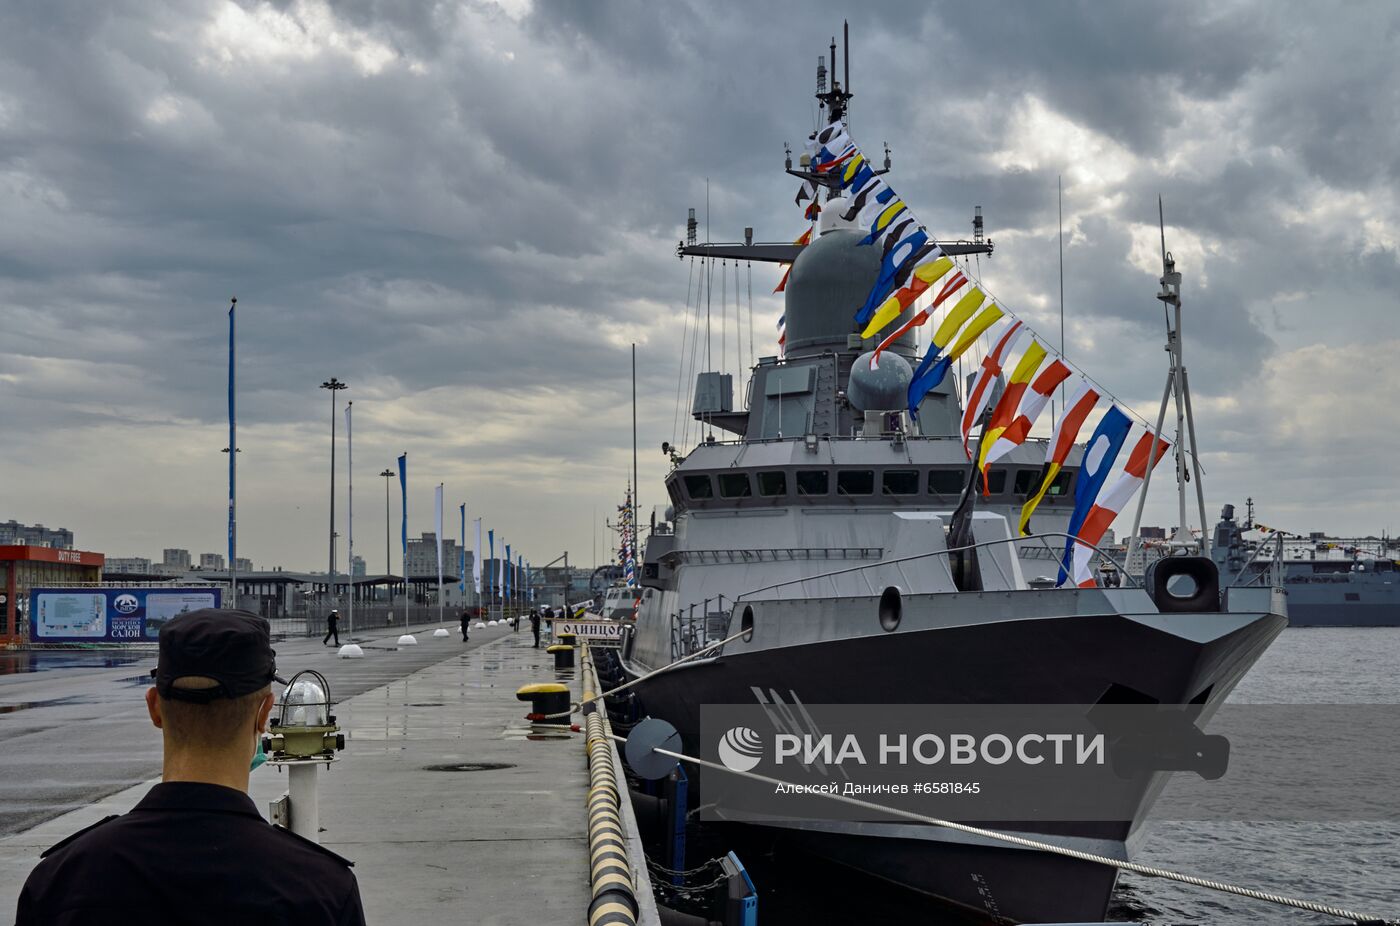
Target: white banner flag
{"points": [[476, 560], [437, 526]]}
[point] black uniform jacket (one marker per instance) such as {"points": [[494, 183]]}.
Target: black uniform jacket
{"points": [[190, 853]]}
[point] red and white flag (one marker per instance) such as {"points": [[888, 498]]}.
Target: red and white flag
{"points": [[1110, 504], [1032, 404], [981, 389]]}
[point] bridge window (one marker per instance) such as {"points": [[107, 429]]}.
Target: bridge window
{"points": [[734, 485], [899, 482], [813, 482], [996, 481], [1026, 481], [698, 487], [945, 481], [855, 482], [772, 482], [1061, 484]]}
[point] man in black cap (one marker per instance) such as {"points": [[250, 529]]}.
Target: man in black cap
{"points": [[195, 849], [332, 627]]}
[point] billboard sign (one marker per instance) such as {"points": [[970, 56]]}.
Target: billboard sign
{"points": [[111, 615]]}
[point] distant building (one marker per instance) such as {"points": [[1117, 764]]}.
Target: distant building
{"points": [[175, 558], [243, 564], [138, 565], [1153, 533], [357, 566], [211, 561], [29, 565], [13, 533], [422, 557]]}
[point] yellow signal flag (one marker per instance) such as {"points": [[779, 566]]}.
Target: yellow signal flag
{"points": [[933, 271], [989, 317], [957, 316], [925, 275]]}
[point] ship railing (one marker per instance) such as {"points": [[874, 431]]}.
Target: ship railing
{"points": [[1274, 574], [862, 570], [690, 633]]}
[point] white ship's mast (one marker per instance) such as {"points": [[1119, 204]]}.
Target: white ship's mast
{"points": [[1178, 388]]}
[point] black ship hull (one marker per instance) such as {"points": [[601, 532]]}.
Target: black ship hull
{"points": [[1070, 660]]}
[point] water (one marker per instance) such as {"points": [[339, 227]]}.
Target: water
{"points": [[1352, 865]]}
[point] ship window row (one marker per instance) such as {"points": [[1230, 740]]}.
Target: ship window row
{"points": [[862, 482]]}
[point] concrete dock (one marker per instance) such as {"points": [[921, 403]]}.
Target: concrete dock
{"points": [[451, 807]]}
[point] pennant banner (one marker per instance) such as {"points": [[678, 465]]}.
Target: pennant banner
{"points": [[1110, 504], [1061, 442], [1099, 455], [476, 561], [437, 528], [981, 392], [403, 523]]}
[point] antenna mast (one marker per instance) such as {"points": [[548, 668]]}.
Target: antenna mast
{"points": [[1178, 388]]}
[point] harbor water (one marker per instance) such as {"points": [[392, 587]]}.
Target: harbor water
{"points": [[1352, 864]]}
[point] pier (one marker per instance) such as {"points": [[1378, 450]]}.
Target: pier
{"points": [[452, 807]]}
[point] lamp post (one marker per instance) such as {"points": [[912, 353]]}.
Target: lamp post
{"points": [[334, 385]]}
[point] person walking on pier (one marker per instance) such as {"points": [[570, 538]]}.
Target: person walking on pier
{"points": [[332, 627], [196, 849], [535, 627], [466, 623]]}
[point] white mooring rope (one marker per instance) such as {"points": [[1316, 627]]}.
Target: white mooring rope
{"points": [[1146, 870]]}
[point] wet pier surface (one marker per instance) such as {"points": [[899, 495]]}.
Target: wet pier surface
{"points": [[441, 800]]}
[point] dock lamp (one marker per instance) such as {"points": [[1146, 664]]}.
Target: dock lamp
{"points": [[303, 736]]}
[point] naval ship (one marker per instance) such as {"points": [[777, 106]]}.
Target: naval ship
{"points": [[818, 519], [1330, 583]]}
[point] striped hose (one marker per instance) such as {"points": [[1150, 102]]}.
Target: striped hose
{"points": [[614, 897]]}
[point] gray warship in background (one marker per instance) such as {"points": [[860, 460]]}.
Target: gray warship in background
{"points": [[819, 517], [1331, 582]]}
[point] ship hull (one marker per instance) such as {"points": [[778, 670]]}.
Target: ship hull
{"points": [[1046, 660]]}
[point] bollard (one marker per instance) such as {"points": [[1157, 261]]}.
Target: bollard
{"points": [[546, 698], [568, 639], [563, 655]]}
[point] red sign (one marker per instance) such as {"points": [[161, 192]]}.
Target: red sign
{"points": [[51, 555]]}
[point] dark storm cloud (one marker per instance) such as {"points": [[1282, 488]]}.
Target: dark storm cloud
{"points": [[468, 210]]}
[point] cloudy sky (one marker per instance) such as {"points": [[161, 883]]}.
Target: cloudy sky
{"points": [[468, 211]]}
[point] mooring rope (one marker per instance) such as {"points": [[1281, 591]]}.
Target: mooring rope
{"points": [[1146, 870], [579, 705]]}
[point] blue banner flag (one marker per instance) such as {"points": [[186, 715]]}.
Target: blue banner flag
{"points": [[491, 558], [505, 572], [1099, 454], [462, 556], [403, 525], [232, 449]]}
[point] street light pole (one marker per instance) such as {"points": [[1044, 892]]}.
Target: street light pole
{"points": [[334, 385]]}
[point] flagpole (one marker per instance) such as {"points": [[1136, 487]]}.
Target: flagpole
{"points": [[350, 512], [232, 451]]}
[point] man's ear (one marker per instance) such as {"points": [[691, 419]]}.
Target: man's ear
{"points": [[153, 708], [264, 709]]}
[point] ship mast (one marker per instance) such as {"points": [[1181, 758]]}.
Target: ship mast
{"points": [[1179, 389]]}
